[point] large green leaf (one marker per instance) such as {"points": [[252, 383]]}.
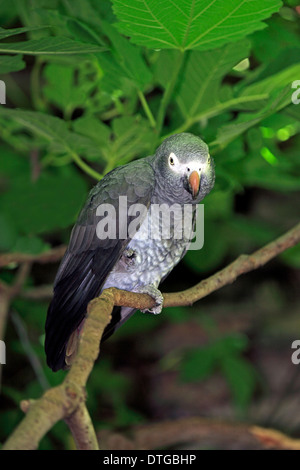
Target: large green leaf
{"points": [[54, 131], [49, 46], [191, 24], [200, 88], [128, 58]]}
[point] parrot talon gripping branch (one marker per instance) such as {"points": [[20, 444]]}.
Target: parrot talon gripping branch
{"points": [[156, 295], [180, 173]]}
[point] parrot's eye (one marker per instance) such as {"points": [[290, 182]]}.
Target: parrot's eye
{"points": [[173, 160]]}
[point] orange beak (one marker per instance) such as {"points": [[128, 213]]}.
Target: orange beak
{"points": [[194, 182]]}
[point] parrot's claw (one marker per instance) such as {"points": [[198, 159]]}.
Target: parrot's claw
{"points": [[156, 295]]}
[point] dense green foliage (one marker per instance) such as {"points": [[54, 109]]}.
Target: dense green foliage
{"points": [[91, 85]]}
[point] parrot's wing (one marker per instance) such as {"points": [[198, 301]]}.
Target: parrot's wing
{"points": [[89, 259]]}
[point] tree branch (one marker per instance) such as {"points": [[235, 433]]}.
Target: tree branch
{"points": [[66, 401], [242, 265], [196, 430], [82, 429], [68, 398], [50, 256]]}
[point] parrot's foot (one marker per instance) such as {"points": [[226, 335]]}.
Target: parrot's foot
{"points": [[155, 293]]}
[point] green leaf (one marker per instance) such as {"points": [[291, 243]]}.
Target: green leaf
{"points": [[232, 344], [293, 112], [54, 131], [8, 233], [191, 24], [9, 12], [198, 364], [93, 128], [129, 137], [200, 88], [200, 92], [62, 88], [284, 59], [128, 57], [282, 32], [112, 81], [6, 33], [50, 203], [11, 63], [49, 46], [259, 93], [258, 172], [82, 31], [12, 165], [91, 12], [241, 377], [277, 101], [133, 138]]}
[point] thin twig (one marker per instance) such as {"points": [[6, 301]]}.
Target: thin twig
{"points": [[29, 351], [7, 293], [50, 256], [147, 109], [37, 293]]}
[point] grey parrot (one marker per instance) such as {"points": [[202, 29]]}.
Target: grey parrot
{"points": [[104, 253]]}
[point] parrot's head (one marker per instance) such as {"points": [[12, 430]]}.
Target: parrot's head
{"points": [[186, 168]]}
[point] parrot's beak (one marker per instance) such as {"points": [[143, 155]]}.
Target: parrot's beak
{"points": [[194, 183]]}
